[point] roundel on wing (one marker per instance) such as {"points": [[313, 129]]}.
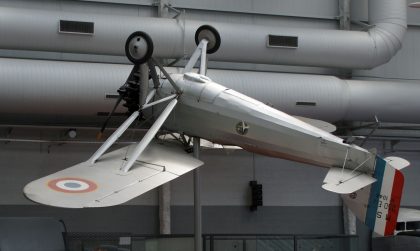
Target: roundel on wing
{"points": [[72, 185]]}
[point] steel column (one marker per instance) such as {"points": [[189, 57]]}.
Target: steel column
{"points": [[165, 209], [198, 242]]}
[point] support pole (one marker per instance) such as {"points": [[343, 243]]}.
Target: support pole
{"points": [[344, 10], [349, 220], [345, 24], [165, 208], [198, 242]]}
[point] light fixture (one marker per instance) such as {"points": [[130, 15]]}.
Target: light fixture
{"points": [[72, 133], [414, 5]]}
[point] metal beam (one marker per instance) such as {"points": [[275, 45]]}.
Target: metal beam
{"points": [[198, 242]]}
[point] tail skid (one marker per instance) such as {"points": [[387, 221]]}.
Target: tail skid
{"points": [[377, 205]]}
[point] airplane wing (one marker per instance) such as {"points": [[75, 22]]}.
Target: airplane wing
{"points": [[119, 176], [103, 184]]}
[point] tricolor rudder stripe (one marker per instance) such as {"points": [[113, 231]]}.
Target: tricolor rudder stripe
{"points": [[384, 198]]}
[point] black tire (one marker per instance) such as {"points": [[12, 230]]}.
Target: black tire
{"points": [[215, 34], [149, 52]]}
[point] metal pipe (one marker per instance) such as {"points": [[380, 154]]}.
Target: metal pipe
{"points": [[60, 90], [175, 38]]}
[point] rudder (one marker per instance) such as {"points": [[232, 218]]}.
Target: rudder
{"points": [[377, 205]]}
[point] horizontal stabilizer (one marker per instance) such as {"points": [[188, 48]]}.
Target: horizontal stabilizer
{"points": [[325, 126], [345, 181], [397, 162], [103, 184]]}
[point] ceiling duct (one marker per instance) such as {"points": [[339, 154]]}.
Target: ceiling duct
{"points": [[58, 91], [28, 29]]}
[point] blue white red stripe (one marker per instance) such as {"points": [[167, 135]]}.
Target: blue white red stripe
{"points": [[384, 199]]}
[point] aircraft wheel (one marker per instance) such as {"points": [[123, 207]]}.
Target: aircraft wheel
{"points": [[211, 34], [139, 47]]}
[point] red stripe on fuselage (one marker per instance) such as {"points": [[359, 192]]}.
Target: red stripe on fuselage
{"points": [[394, 204]]}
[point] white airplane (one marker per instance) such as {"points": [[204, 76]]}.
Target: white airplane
{"points": [[408, 222], [192, 104]]}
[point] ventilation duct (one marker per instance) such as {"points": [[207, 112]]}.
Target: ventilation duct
{"points": [[59, 91], [28, 29]]}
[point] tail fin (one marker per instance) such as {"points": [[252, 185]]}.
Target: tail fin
{"points": [[377, 205]]}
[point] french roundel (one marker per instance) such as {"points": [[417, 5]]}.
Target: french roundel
{"points": [[72, 185]]}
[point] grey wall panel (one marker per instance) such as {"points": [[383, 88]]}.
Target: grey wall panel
{"points": [[359, 10], [413, 14], [216, 219], [81, 7], [128, 219], [319, 9], [269, 20], [266, 220], [24, 234]]}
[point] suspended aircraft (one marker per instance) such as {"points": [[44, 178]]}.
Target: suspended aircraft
{"points": [[191, 104]]}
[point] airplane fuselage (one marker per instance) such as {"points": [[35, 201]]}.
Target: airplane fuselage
{"points": [[213, 112]]}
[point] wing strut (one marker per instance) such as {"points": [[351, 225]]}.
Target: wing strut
{"points": [[115, 136], [111, 140], [149, 135]]}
